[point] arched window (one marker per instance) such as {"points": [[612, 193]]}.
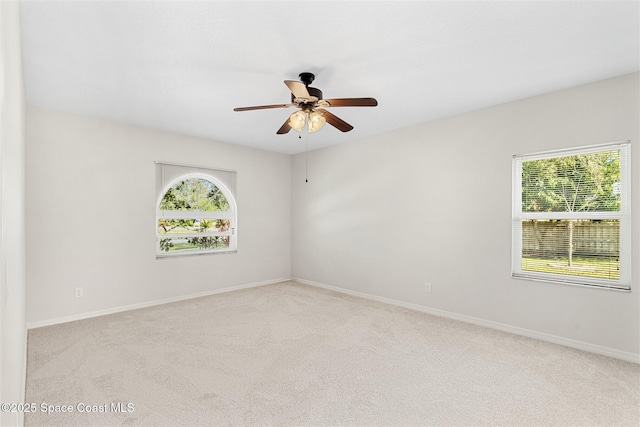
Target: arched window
{"points": [[196, 213]]}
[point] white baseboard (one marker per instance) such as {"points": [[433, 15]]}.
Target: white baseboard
{"points": [[88, 315], [567, 342]]}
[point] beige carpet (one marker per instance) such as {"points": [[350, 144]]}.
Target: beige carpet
{"points": [[289, 354]]}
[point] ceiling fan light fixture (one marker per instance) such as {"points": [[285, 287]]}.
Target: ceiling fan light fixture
{"points": [[297, 120], [316, 121]]}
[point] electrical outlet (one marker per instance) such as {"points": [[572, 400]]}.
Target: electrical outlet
{"points": [[427, 287], [79, 292]]}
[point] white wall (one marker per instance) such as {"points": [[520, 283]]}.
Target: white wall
{"points": [[12, 225], [433, 203], [91, 212]]}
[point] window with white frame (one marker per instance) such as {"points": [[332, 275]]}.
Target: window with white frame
{"points": [[196, 211], [571, 216]]}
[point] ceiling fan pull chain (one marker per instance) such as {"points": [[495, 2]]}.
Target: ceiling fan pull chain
{"points": [[306, 157]]}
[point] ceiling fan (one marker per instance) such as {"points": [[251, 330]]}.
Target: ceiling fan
{"points": [[312, 106]]}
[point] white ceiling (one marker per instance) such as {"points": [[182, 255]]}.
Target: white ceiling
{"points": [[183, 66]]}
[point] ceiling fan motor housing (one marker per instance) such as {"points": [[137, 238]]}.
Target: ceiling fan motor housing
{"points": [[314, 92]]}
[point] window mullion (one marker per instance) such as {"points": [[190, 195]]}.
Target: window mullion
{"points": [[569, 215], [194, 214]]}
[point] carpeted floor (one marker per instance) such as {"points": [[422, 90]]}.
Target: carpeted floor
{"points": [[294, 355]]}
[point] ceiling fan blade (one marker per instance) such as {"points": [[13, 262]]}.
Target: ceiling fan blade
{"points": [[285, 128], [335, 121], [263, 107], [298, 89], [352, 102]]}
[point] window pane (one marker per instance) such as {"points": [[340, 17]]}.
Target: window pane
{"points": [[176, 226], [588, 248], [194, 194], [194, 244], [580, 183]]}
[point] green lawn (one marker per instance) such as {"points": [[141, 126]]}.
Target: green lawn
{"points": [[186, 245], [179, 244], [585, 267]]}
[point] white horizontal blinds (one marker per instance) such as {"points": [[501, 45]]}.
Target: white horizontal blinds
{"points": [[578, 183], [576, 248], [571, 213]]}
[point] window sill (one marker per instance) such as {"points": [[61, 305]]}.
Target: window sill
{"points": [[192, 254], [604, 286]]}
